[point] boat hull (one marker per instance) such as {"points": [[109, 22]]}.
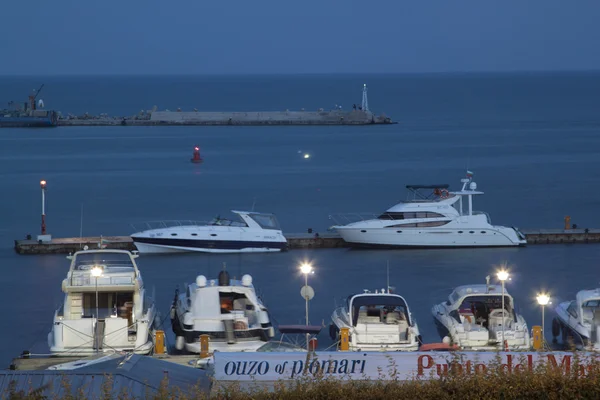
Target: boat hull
{"points": [[29, 122], [162, 245], [578, 335], [478, 345], [339, 321], [188, 339], [434, 238]]}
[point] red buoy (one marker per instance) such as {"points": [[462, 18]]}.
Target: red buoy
{"points": [[196, 158]]}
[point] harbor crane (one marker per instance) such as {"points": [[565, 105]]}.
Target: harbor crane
{"points": [[33, 97]]}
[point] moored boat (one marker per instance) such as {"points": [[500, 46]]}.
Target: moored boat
{"points": [[106, 308]]}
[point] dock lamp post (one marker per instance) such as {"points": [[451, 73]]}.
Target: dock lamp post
{"points": [[307, 292], [96, 273], [43, 186], [543, 300], [502, 276]]}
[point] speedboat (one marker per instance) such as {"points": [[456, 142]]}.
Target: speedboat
{"points": [[473, 319], [432, 216], [227, 310], [379, 321], [106, 308], [579, 319], [252, 232]]}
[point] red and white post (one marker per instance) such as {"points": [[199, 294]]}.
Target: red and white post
{"points": [[43, 186]]}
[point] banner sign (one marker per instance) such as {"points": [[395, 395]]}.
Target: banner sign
{"points": [[378, 365]]}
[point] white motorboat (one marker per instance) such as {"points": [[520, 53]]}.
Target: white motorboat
{"points": [[253, 232], [431, 217], [579, 319], [473, 319], [227, 310], [105, 308], [379, 321]]}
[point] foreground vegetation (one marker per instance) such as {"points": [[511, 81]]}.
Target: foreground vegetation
{"points": [[579, 379]]}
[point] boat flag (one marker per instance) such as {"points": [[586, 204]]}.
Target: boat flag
{"points": [[469, 174]]}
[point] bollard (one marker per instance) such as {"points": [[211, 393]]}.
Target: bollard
{"points": [[537, 337], [567, 223], [204, 346], [159, 342], [312, 344], [344, 339]]}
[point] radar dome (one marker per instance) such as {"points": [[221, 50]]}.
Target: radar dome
{"points": [[473, 186], [201, 280], [246, 280]]}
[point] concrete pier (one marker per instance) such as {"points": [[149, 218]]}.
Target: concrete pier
{"points": [[295, 241], [195, 118]]}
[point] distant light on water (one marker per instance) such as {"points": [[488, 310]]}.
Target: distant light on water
{"points": [[306, 155]]}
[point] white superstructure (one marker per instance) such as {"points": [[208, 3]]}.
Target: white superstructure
{"points": [[439, 218], [105, 307]]}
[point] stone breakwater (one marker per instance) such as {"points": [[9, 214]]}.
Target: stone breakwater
{"points": [[334, 117]]}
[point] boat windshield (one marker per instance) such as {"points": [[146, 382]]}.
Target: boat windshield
{"points": [[365, 307], [266, 221], [590, 309], [87, 261], [227, 222], [481, 308]]}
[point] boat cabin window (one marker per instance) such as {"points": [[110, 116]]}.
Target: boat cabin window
{"points": [[453, 298], [589, 309], [110, 304], [409, 215], [572, 309], [266, 221], [428, 224]]}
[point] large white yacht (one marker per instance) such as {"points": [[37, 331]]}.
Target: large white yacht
{"points": [[105, 309], [473, 319], [252, 232], [379, 321], [227, 310], [579, 319], [437, 218]]}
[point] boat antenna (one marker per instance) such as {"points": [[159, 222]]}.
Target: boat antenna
{"points": [[487, 284], [388, 276], [224, 265], [81, 227], [253, 203]]}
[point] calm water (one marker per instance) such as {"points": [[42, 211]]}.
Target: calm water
{"points": [[532, 140]]}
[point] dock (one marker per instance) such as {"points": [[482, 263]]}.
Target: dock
{"points": [[295, 241]]}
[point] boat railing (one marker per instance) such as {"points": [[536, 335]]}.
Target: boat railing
{"points": [[88, 280], [349, 218], [151, 225], [60, 311]]}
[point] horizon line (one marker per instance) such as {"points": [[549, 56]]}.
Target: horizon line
{"points": [[466, 72]]}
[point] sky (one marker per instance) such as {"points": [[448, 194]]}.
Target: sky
{"points": [[67, 37]]}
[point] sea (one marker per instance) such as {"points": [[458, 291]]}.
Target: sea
{"points": [[531, 139]]}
